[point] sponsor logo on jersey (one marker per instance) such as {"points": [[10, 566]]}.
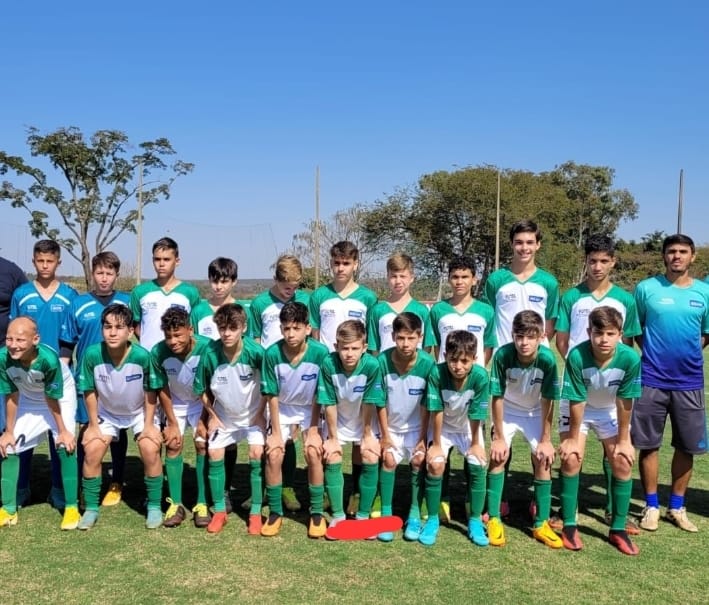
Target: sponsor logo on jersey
{"points": [[535, 299], [134, 377], [666, 300], [355, 314], [54, 385], [171, 371], [615, 383], [509, 297], [472, 328], [415, 392], [309, 377], [536, 380], [244, 377], [359, 389], [178, 306], [696, 303], [56, 308]]}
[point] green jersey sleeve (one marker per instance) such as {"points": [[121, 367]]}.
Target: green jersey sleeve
{"points": [[550, 384], [326, 388], [434, 402], [574, 386], [479, 381], [373, 391]]}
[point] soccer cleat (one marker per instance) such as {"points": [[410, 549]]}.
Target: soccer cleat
{"points": [[7, 519], [556, 523], [317, 526], [290, 501], [496, 532], [153, 519], [546, 535], [272, 525], [429, 533], [476, 532], [650, 519], [56, 498], [444, 512], [377, 510], [570, 538], [175, 514], [413, 529], [88, 520], [255, 524], [504, 509], [333, 522], [217, 523], [623, 543], [678, 517], [200, 515], [386, 536], [71, 518], [24, 496], [631, 525], [113, 495], [352, 505]]}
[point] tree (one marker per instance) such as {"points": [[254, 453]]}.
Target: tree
{"points": [[99, 183], [343, 225]]}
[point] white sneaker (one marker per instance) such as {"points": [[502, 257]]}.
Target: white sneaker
{"points": [[678, 517], [650, 519]]}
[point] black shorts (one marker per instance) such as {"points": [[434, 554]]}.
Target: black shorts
{"points": [[687, 415]]}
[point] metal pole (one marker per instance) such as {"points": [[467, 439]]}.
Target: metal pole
{"points": [[139, 226], [317, 227], [497, 225], [680, 201]]}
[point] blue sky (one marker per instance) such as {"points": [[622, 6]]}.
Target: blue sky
{"points": [[375, 93]]}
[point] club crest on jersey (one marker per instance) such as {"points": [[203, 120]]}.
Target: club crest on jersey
{"points": [[309, 377], [509, 297], [222, 380], [149, 305], [535, 299]]}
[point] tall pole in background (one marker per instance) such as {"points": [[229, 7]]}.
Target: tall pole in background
{"points": [[139, 226], [316, 238], [680, 201], [497, 225]]}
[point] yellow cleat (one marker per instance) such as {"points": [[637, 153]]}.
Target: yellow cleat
{"points": [[444, 512], [7, 519], [496, 532], [546, 535], [71, 518], [113, 495]]}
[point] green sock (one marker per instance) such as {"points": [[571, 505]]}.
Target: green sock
{"points": [[386, 490], [335, 484], [608, 473], [367, 488], [621, 491], [477, 489], [256, 481], [70, 476], [201, 483], [317, 493], [495, 485], [92, 491], [8, 485], [569, 497], [289, 464], [274, 497], [153, 486], [433, 495], [542, 496], [216, 484], [416, 494], [173, 469]]}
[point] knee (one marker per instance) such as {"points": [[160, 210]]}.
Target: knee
{"points": [[389, 463]]}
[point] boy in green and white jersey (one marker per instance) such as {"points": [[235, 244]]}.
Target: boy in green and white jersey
{"points": [[463, 312], [523, 385], [149, 300], [289, 381], [40, 397], [342, 300], [120, 381], [457, 401], [601, 379], [227, 379], [222, 273], [405, 371], [350, 392], [178, 357], [400, 276], [265, 309]]}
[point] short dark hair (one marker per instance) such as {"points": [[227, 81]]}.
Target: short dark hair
{"points": [[599, 243], [47, 246], [294, 312], [107, 260], [526, 226], [528, 322], [678, 238], [407, 321], [605, 317], [222, 268], [461, 342], [230, 315], [120, 311], [166, 243], [461, 262], [344, 249], [175, 318]]}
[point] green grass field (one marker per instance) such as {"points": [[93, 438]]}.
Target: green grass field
{"points": [[120, 562]]}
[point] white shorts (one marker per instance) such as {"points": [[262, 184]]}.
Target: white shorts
{"points": [[289, 415], [462, 442], [222, 438], [404, 445], [111, 425], [33, 422], [188, 416], [602, 421], [529, 426]]}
